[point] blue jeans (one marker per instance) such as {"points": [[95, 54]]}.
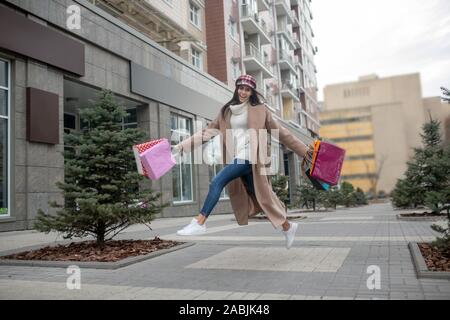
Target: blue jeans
{"points": [[238, 168]]}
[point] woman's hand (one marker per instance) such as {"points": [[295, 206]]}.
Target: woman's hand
{"points": [[176, 149]]}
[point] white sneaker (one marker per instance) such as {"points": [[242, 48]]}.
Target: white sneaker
{"points": [[192, 228], [290, 234]]}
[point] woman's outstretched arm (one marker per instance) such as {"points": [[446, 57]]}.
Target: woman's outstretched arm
{"points": [[286, 137], [200, 137]]}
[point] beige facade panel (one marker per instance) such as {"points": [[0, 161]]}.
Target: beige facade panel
{"points": [[366, 166], [344, 130], [356, 148]]}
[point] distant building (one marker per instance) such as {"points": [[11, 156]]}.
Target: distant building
{"points": [[378, 121]]}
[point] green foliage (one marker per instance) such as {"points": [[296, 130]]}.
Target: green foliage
{"points": [[101, 187], [308, 196], [280, 187], [446, 93], [427, 178], [332, 198], [360, 197], [346, 195]]}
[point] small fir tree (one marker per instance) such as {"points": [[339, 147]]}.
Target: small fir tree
{"points": [[101, 191], [427, 176]]}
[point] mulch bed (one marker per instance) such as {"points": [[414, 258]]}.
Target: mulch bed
{"points": [[114, 250], [436, 259]]}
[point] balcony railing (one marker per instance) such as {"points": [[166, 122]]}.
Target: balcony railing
{"points": [[295, 16], [285, 56], [287, 85], [252, 51], [248, 12], [296, 38], [282, 27]]}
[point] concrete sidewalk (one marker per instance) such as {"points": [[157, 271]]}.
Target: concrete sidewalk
{"points": [[336, 255]]}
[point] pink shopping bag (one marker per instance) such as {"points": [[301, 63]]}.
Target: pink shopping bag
{"points": [[154, 158], [328, 163]]}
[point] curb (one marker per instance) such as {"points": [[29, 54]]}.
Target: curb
{"points": [[86, 264], [421, 267], [293, 217], [435, 218]]}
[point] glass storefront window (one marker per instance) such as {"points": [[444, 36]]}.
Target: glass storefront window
{"points": [[4, 102], [130, 121], [181, 128], [4, 138], [3, 74]]}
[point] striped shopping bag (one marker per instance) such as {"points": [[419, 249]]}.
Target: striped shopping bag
{"points": [[154, 158]]}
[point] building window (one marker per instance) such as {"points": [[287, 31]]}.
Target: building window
{"points": [[235, 70], [233, 29], [5, 95], [194, 15], [70, 124], [356, 92], [196, 58], [181, 128], [130, 121]]}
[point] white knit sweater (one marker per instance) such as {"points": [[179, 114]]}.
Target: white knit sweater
{"points": [[238, 122]]}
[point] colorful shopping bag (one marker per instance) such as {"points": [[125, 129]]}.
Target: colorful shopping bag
{"points": [[319, 185], [327, 163], [307, 165], [154, 158]]}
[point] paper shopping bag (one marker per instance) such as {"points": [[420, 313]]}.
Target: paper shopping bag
{"points": [[319, 185], [327, 163], [154, 158]]}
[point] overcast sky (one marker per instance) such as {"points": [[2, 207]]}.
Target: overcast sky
{"points": [[386, 37]]}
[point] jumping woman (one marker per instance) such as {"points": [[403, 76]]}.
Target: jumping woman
{"points": [[249, 189]]}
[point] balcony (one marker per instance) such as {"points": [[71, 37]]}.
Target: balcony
{"points": [[283, 8], [263, 5], [287, 34], [254, 61], [286, 62], [299, 85], [297, 43], [251, 23], [295, 20], [148, 20], [288, 90]]}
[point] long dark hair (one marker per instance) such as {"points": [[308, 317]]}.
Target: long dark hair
{"points": [[254, 100]]}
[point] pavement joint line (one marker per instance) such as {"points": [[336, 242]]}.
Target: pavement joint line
{"points": [[13, 289], [174, 236]]}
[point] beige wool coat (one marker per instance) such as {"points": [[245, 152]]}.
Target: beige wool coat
{"points": [[265, 199]]}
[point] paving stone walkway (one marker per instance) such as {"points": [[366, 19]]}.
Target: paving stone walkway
{"points": [[336, 255]]}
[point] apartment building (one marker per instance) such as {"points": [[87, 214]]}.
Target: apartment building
{"points": [[272, 41], [378, 121], [55, 57], [176, 25]]}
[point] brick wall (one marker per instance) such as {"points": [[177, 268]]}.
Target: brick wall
{"points": [[215, 39]]}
